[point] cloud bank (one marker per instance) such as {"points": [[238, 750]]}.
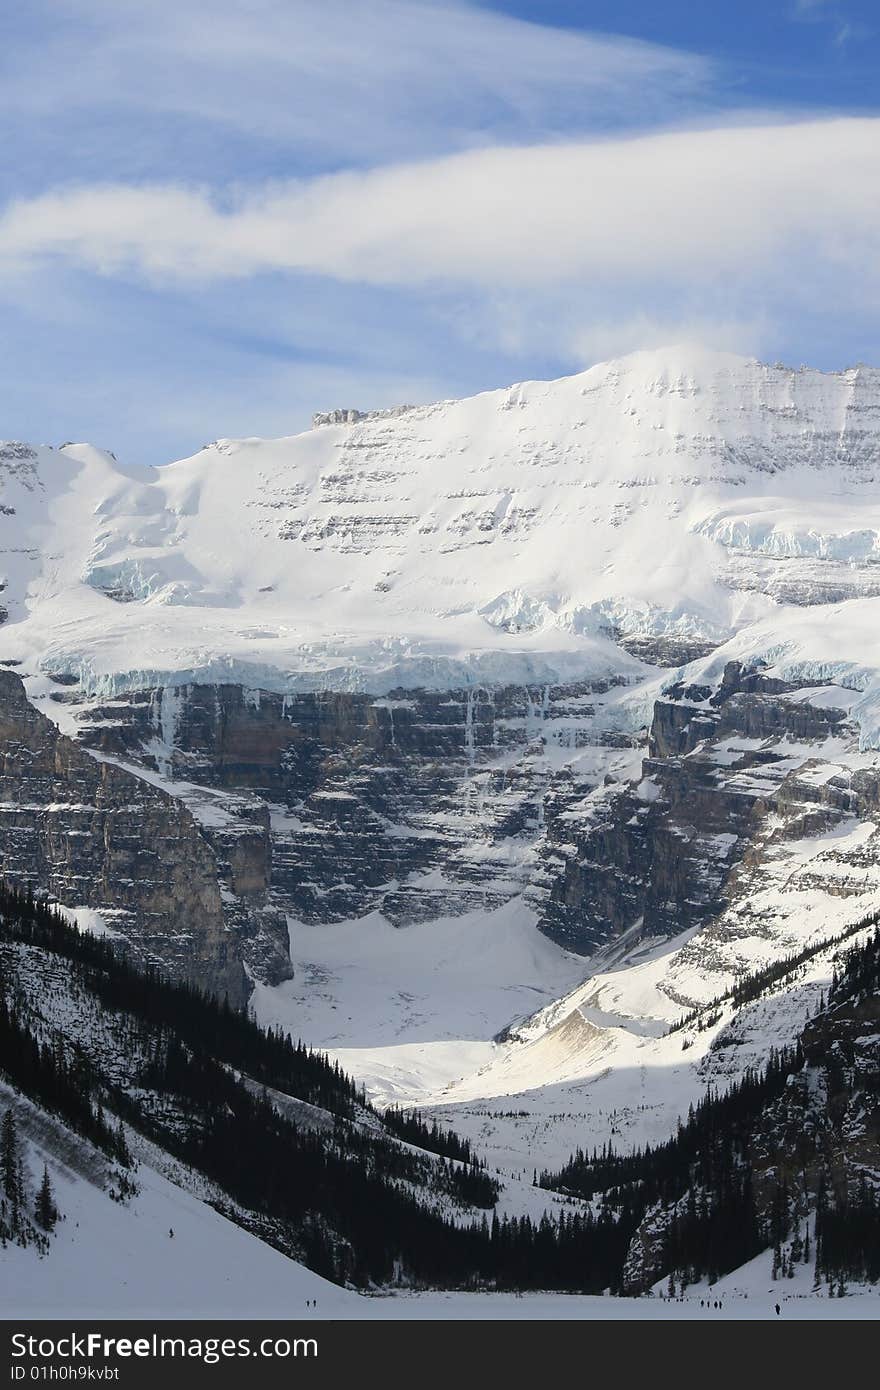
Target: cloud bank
{"points": [[694, 206]]}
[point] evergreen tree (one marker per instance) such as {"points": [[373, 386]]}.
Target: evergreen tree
{"points": [[10, 1160], [44, 1207]]}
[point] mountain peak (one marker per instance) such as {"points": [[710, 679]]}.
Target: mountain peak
{"points": [[674, 500]]}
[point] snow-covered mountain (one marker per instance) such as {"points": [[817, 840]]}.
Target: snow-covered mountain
{"points": [[676, 500], [504, 732]]}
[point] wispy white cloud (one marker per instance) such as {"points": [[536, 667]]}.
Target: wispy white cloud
{"points": [[589, 337], [689, 206], [828, 11], [329, 81], [241, 210]]}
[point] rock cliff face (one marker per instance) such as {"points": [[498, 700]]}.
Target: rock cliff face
{"points": [[94, 836], [834, 1103], [419, 804], [733, 773], [328, 805]]}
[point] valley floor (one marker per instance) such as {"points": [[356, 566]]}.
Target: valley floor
{"points": [[119, 1261], [411, 1010], [570, 1307], [418, 1016]]}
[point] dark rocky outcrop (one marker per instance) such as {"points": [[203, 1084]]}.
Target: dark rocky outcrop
{"points": [[665, 650], [327, 805], [93, 835], [374, 802], [667, 853]]}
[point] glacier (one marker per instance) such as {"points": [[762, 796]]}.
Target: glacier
{"points": [[550, 531]]}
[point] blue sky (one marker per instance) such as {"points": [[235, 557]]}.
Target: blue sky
{"points": [[219, 215]]}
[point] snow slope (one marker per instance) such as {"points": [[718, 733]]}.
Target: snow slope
{"points": [[403, 1009], [110, 1259], [115, 1259], [681, 493], [596, 1065], [210, 1269]]}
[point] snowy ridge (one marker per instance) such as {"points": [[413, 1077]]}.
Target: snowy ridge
{"points": [[512, 537]]}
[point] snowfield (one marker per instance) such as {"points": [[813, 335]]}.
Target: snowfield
{"points": [[109, 1260], [119, 1260], [407, 1008], [418, 1026], [507, 538]]}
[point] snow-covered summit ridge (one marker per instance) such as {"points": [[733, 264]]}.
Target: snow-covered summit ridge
{"points": [[680, 495]]}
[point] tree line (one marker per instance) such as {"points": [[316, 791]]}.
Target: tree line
{"points": [[26, 1218], [700, 1189], [359, 1206]]}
